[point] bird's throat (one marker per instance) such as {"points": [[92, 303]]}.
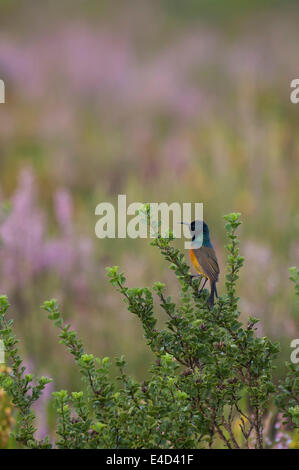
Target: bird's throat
{"points": [[199, 241]]}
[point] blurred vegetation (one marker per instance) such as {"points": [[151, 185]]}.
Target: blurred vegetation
{"points": [[6, 418]]}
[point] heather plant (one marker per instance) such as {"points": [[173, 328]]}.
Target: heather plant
{"points": [[210, 385], [26, 258]]}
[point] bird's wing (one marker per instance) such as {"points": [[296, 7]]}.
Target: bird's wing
{"points": [[207, 259]]}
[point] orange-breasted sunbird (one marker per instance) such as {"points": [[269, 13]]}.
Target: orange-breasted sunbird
{"points": [[203, 256]]}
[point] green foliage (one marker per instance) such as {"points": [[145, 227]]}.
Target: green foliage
{"points": [[23, 389], [287, 399], [210, 384]]}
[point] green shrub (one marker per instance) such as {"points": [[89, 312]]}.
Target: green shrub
{"points": [[287, 399], [210, 385]]}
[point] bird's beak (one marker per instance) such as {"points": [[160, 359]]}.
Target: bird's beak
{"points": [[185, 223]]}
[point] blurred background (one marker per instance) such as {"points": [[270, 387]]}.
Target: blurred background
{"points": [[161, 101]]}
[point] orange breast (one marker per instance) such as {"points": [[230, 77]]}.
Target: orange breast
{"points": [[196, 264]]}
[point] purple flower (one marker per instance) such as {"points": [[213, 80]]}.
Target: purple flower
{"points": [[27, 252]]}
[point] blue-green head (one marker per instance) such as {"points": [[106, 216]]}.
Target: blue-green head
{"points": [[200, 233]]}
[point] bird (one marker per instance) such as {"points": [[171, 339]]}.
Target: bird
{"points": [[203, 256]]}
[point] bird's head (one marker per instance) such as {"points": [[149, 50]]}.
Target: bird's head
{"points": [[198, 229]]}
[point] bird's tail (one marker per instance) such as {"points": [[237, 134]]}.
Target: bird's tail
{"points": [[212, 294]]}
